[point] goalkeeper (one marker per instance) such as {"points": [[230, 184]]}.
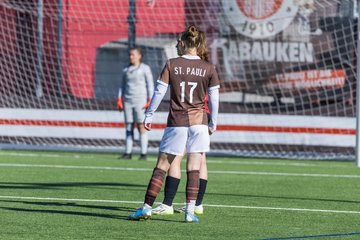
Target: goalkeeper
{"points": [[134, 97]]}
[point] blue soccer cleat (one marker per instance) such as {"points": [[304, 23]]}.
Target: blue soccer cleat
{"points": [[191, 218], [141, 213]]}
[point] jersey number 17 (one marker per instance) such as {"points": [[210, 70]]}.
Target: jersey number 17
{"points": [[192, 86]]}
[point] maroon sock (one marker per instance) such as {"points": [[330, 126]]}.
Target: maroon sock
{"points": [[192, 185], [154, 186]]}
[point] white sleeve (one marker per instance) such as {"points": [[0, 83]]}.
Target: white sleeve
{"points": [[213, 106], [159, 93], [149, 82], [122, 85]]}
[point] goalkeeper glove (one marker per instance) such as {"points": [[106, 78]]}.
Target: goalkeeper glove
{"points": [[120, 105], [148, 103]]}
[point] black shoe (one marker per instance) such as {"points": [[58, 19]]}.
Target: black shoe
{"points": [[143, 157], [126, 156]]}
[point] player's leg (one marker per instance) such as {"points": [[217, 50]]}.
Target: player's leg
{"points": [[199, 209], [144, 139], [129, 128], [192, 185], [143, 134], [172, 144], [171, 186], [157, 179], [129, 140], [172, 181], [197, 144], [154, 186]]}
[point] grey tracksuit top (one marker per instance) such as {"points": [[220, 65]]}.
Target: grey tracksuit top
{"points": [[137, 84]]}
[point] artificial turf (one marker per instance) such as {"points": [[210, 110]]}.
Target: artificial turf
{"points": [[67, 195]]}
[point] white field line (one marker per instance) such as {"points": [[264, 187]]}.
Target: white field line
{"points": [[210, 171], [74, 167], [206, 205], [237, 162], [45, 155], [265, 163]]}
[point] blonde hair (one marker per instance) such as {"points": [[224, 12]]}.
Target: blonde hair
{"points": [[202, 50]]}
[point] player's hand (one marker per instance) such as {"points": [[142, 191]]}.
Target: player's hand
{"points": [[147, 126], [148, 103], [147, 122], [211, 130], [120, 105], [211, 127]]}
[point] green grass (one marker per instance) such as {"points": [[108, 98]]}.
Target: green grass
{"points": [[67, 216]]}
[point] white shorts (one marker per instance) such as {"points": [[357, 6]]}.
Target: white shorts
{"points": [[193, 139]]}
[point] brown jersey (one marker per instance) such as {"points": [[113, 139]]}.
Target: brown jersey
{"points": [[189, 80]]}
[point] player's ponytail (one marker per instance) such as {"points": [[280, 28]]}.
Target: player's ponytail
{"points": [[193, 31], [190, 37], [202, 50]]}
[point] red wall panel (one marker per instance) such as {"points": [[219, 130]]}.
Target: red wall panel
{"points": [[86, 26], [7, 49], [89, 24]]}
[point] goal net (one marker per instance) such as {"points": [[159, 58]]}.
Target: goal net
{"points": [[287, 69]]}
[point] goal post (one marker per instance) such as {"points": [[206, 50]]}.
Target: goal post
{"points": [[357, 144], [132, 24], [288, 72]]}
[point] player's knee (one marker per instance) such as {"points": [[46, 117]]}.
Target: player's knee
{"points": [[129, 130], [165, 160], [193, 162], [177, 161], [175, 167]]}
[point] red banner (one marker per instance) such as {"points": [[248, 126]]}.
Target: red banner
{"points": [[312, 79]]}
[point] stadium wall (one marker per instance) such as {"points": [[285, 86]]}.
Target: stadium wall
{"points": [[82, 36], [233, 128]]}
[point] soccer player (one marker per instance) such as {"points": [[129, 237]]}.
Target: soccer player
{"points": [[134, 97], [189, 79], [174, 174]]}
